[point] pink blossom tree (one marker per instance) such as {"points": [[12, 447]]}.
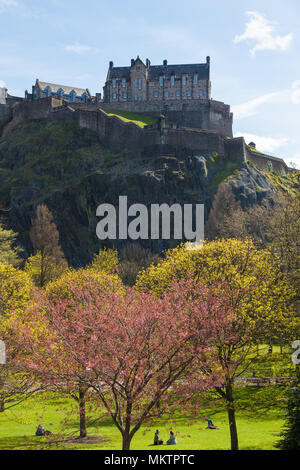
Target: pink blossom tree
{"points": [[136, 351]]}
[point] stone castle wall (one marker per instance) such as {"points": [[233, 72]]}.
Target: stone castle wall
{"points": [[264, 161], [201, 114], [157, 139]]}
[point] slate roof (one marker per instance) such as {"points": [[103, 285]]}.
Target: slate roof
{"points": [[67, 89], [155, 71]]}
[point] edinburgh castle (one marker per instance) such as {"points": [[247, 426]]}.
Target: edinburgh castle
{"points": [[188, 121]]}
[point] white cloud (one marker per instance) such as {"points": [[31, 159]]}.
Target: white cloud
{"points": [[264, 144], [5, 4], [295, 92], [262, 32], [294, 160], [80, 48], [251, 108]]}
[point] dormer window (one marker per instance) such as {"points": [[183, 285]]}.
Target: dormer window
{"points": [[47, 91], [172, 80], [195, 79], [60, 92], [72, 96], [161, 81]]}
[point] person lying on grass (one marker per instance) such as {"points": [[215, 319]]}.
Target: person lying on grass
{"points": [[210, 424]]}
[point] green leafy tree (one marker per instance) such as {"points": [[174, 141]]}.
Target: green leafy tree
{"points": [[9, 253], [291, 433], [106, 260]]}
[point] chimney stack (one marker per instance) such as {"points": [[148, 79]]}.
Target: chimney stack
{"points": [[165, 63]]}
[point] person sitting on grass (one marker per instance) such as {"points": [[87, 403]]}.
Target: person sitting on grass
{"points": [[172, 439], [210, 424], [157, 441], [41, 431]]}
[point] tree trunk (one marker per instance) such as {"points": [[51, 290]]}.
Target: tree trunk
{"points": [[2, 406], [231, 417], [82, 392], [270, 348], [126, 441]]}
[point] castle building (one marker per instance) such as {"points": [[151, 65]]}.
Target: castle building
{"points": [[157, 83], [71, 94]]}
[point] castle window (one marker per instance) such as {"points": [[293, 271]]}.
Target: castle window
{"points": [[201, 93], [166, 94], [136, 98], [161, 81], [36, 94], [136, 83], [155, 94], [178, 93], [114, 96], [114, 83], [72, 96], [123, 83], [140, 84], [189, 93], [195, 79], [184, 80], [124, 96], [172, 80], [47, 91]]}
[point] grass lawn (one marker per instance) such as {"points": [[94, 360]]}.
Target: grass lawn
{"points": [[139, 119], [18, 425]]}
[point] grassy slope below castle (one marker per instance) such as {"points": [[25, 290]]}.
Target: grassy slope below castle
{"points": [[139, 119]]}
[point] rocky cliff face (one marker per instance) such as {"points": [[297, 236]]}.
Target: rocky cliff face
{"points": [[69, 170]]}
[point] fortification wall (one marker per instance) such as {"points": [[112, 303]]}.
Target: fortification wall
{"points": [[235, 149], [201, 114], [264, 161], [5, 112], [39, 109], [156, 139], [126, 135]]}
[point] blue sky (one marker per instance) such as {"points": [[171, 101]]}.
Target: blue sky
{"points": [[254, 48]]}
